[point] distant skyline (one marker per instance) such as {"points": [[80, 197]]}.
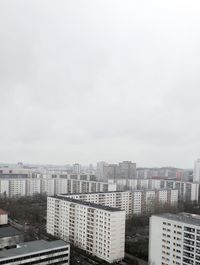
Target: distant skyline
{"points": [[87, 165], [86, 81]]}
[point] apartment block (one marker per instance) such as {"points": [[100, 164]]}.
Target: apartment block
{"points": [[196, 172], [48, 186], [33, 186], [177, 239], [137, 202], [187, 191], [17, 187], [37, 252], [4, 187], [98, 229], [123, 170]]}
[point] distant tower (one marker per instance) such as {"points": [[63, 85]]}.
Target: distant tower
{"points": [[20, 165], [100, 170], [76, 168], [127, 170]]}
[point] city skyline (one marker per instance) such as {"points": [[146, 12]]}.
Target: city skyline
{"points": [[91, 81]]}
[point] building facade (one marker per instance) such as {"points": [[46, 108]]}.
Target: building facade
{"points": [[187, 191], [174, 239], [196, 172], [97, 229], [16, 187], [138, 202], [124, 170]]}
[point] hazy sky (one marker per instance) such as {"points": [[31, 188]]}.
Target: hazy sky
{"points": [[84, 81]]}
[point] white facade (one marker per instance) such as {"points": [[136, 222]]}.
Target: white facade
{"points": [[196, 173], [174, 239], [133, 202], [48, 186], [188, 191], [100, 170], [4, 187], [97, 229], [33, 186], [3, 217], [17, 187], [51, 186]]}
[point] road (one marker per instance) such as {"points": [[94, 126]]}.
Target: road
{"points": [[141, 261]]}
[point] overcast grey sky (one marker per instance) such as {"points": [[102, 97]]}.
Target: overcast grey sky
{"points": [[83, 81]]}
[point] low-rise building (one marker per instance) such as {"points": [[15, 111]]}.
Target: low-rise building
{"points": [[9, 237], [37, 252]]}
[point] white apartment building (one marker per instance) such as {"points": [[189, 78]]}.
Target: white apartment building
{"points": [[121, 199], [136, 202], [37, 252], [99, 230], [196, 173], [48, 186], [188, 191], [174, 239], [4, 187], [14, 187], [17, 187], [33, 186]]}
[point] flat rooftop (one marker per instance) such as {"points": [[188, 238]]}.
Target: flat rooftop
{"points": [[89, 204], [186, 218], [9, 231], [31, 247], [97, 192]]}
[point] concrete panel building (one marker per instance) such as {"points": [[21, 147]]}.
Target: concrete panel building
{"points": [[174, 239], [97, 229], [138, 202], [187, 191]]}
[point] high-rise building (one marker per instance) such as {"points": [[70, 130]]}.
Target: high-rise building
{"points": [[196, 173], [76, 168], [97, 229], [127, 170], [124, 170], [174, 239], [111, 171], [100, 170], [138, 202], [187, 191]]}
